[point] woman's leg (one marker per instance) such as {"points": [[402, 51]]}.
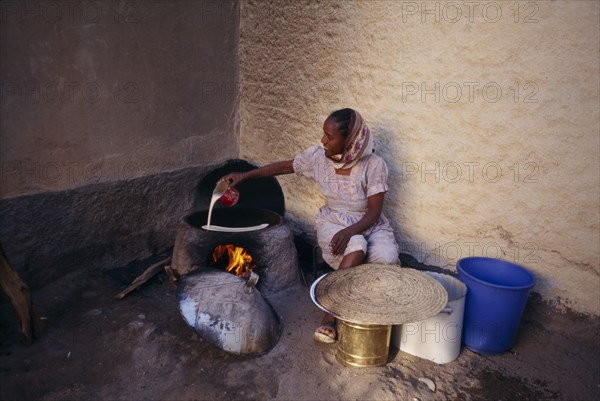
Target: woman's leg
{"points": [[382, 248], [352, 259], [353, 255], [327, 326]]}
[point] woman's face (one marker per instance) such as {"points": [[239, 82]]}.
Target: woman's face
{"points": [[333, 142]]}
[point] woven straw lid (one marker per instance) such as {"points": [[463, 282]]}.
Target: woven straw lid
{"points": [[380, 294]]}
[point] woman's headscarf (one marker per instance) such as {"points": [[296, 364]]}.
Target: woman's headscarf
{"points": [[358, 143]]}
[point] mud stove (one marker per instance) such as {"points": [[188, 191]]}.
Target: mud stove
{"points": [[231, 310]]}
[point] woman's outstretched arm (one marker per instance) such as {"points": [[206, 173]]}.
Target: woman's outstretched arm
{"points": [[270, 170]]}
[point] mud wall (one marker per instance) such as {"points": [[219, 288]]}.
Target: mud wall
{"points": [[106, 91], [486, 112], [110, 113]]}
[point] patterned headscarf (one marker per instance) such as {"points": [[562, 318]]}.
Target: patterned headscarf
{"points": [[358, 143]]}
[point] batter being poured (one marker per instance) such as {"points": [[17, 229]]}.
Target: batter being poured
{"points": [[218, 192]]}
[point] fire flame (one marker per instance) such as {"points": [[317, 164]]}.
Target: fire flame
{"points": [[239, 260]]}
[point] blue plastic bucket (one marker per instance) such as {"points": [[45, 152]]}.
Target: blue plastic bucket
{"points": [[496, 297]]}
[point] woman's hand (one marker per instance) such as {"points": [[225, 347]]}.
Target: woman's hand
{"points": [[340, 240], [232, 179]]}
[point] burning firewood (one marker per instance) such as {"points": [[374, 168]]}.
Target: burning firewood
{"points": [[234, 259]]}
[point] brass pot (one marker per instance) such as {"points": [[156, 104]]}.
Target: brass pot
{"points": [[362, 345]]}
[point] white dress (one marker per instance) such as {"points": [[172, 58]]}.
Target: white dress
{"points": [[346, 203]]}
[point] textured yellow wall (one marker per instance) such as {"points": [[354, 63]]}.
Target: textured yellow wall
{"points": [[486, 113]]}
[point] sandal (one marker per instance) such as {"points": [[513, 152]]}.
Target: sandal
{"points": [[329, 336]]}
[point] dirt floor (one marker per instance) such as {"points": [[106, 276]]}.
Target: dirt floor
{"points": [[94, 347]]}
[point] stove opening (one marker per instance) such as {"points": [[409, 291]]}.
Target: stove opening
{"points": [[233, 259]]}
